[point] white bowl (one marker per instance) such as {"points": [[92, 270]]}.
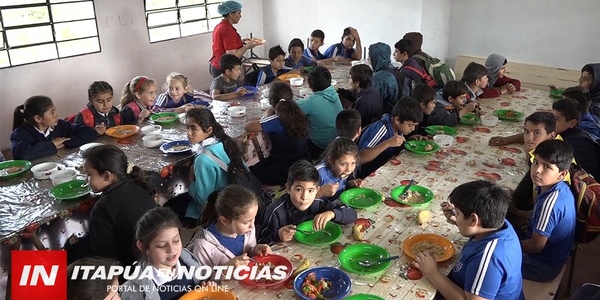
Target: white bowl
{"points": [[265, 93], [236, 111], [333, 82], [264, 104], [305, 92], [63, 176], [151, 129], [443, 140], [296, 81], [182, 118], [152, 140], [489, 120], [44, 170], [87, 146]]}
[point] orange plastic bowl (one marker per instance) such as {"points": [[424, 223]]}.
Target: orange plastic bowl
{"points": [[203, 294], [408, 243], [276, 260], [122, 131], [287, 76]]}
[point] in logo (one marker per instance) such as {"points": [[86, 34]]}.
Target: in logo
{"points": [[38, 274]]}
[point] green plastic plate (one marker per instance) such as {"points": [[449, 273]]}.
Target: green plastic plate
{"points": [[71, 190], [164, 118], [351, 255], [361, 197], [426, 193], [441, 129], [364, 297], [331, 233], [557, 93], [418, 147], [508, 115], [13, 168], [470, 119]]}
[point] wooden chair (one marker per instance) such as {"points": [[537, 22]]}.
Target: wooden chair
{"points": [[542, 290]]}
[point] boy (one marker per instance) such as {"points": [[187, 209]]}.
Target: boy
{"points": [[296, 60], [589, 122], [384, 138], [368, 100], [321, 108], [498, 83], [489, 266], [426, 97], [551, 229], [410, 67], [450, 107], [317, 37], [275, 68], [475, 77], [590, 82], [348, 124], [229, 84], [299, 205]]}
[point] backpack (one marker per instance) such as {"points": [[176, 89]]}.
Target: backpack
{"points": [[88, 118], [251, 78], [403, 83], [425, 78], [440, 72], [586, 192]]}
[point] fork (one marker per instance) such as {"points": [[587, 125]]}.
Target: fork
{"points": [[312, 232], [366, 263]]}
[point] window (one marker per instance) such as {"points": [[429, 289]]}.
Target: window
{"points": [[171, 19], [39, 30]]}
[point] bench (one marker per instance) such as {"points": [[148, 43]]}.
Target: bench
{"points": [[532, 76], [542, 290]]}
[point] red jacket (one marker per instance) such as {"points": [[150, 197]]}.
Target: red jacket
{"points": [[493, 92]]}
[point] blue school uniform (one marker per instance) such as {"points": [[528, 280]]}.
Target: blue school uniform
{"points": [[235, 245], [313, 55], [164, 100], [338, 50], [303, 62], [491, 266], [327, 177], [265, 75], [28, 143]]}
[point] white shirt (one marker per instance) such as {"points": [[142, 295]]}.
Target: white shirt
{"points": [[47, 133], [161, 277]]}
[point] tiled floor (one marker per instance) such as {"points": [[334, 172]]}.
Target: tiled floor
{"points": [[587, 268]]}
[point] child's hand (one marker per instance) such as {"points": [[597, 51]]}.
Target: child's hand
{"points": [[426, 263], [449, 211], [262, 249], [552, 87], [144, 115], [416, 137], [511, 88], [498, 141], [286, 233], [100, 128], [329, 190], [209, 283], [238, 261], [471, 106], [321, 220], [354, 33], [241, 91], [59, 142], [395, 141], [355, 183]]}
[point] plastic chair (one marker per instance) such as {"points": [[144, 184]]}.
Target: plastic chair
{"points": [[588, 291]]}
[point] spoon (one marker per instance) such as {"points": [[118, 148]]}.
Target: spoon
{"points": [[312, 232], [405, 193], [366, 263]]}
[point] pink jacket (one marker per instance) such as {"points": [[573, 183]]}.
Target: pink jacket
{"points": [[210, 251]]}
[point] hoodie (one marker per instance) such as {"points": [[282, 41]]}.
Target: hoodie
{"points": [[595, 89], [383, 80], [321, 108], [493, 64], [444, 113]]}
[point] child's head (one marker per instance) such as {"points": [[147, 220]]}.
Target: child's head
{"points": [[539, 126], [361, 76], [403, 50], [38, 111], [277, 57], [348, 38], [341, 157], [319, 79], [177, 84], [416, 38], [231, 66], [302, 184], [295, 49], [100, 95], [455, 92], [479, 205], [475, 75], [158, 238], [551, 162], [496, 65], [426, 97], [107, 164], [83, 288], [234, 209], [406, 115], [581, 96], [288, 112], [566, 113], [317, 37], [586, 81], [140, 88], [348, 123]]}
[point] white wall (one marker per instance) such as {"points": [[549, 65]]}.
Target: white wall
{"points": [[558, 33], [126, 53], [434, 27]]}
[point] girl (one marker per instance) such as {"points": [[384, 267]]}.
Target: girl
{"points": [[345, 48], [158, 240], [207, 175], [100, 112], [137, 100], [82, 288], [126, 196], [180, 94], [228, 233], [337, 168], [38, 132], [287, 128]]}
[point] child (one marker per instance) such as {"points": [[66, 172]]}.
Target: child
{"points": [[551, 229], [539, 126], [475, 77], [489, 266], [498, 83], [228, 234], [179, 96], [590, 82], [452, 105], [100, 113], [317, 37], [138, 100], [158, 241], [287, 128], [589, 123], [228, 85], [126, 196], [426, 97], [336, 170], [275, 68], [368, 100], [386, 79], [38, 132], [345, 48], [80, 288], [296, 60], [321, 108], [299, 205], [410, 67], [384, 138], [348, 124]]}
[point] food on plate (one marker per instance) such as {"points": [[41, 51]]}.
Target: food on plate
{"points": [[414, 197], [428, 147], [262, 265], [165, 119], [313, 288], [11, 170], [121, 131], [511, 113], [179, 148], [436, 250]]}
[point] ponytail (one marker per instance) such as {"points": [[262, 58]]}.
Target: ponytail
{"points": [[292, 118], [18, 117], [138, 176], [128, 96], [209, 215]]}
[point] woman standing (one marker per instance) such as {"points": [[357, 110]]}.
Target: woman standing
{"points": [[225, 38]]}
